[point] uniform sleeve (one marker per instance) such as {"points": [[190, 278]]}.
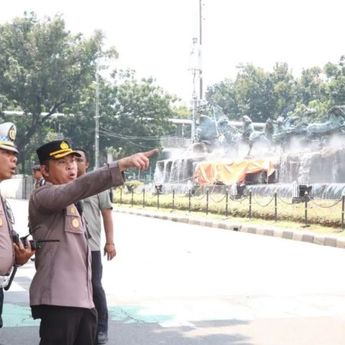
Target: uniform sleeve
{"points": [[57, 197], [104, 200]]}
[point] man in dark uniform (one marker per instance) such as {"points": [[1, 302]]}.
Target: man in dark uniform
{"points": [[61, 290], [10, 253]]}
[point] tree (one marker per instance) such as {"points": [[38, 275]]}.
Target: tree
{"points": [[336, 81], [253, 91], [311, 85], [133, 115], [223, 95], [283, 90], [136, 114], [44, 69], [182, 112]]}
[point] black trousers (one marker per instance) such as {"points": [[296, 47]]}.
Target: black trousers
{"points": [[67, 325], [1, 304], [99, 297]]}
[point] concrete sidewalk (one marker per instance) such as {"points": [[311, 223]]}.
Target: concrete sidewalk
{"points": [[332, 240]]}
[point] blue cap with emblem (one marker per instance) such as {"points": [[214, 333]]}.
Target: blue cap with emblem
{"points": [[8, 133]]}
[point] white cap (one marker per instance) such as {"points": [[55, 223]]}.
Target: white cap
{"points": [[8, 133]]}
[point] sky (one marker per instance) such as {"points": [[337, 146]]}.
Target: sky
{"points": [[154, 37]]}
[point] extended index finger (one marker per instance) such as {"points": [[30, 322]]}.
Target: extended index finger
{"points": [[151, 153]]}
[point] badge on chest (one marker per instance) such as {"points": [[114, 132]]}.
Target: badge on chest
{"points": [[73, 219]]}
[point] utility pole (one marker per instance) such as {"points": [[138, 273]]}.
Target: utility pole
{"points": [[200, 50], [97, 120], [196, 68]]}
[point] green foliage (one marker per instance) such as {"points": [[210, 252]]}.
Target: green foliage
{"points": [[256, 93], [133, 116], [223, 95], [336, 86], [261, 94], [44, 69], [284, 90], [310, 85], [181, 112]]}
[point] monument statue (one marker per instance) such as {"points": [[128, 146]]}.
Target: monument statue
{"points": [[215, 130], [335, 123], [304, 163], [229, 134], [269, 129], [250, 136], [292, 126], [247, 129], [207, 129], [299, 125]]}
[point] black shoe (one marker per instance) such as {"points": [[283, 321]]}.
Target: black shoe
{"points": [[102, 338]]}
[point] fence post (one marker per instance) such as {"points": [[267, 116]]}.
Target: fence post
{"points": [[250, 205], [306, 209], [144, 198], [132, 201], [157, 199], [173, 199], [189, 199], [226, 203], [275, 207], [342, 211], [207, 196]]}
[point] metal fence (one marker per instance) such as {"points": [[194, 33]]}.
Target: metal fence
{"points": [[305, 209]]}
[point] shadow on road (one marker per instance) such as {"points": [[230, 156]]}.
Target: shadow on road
{"points": [[140, 333]]}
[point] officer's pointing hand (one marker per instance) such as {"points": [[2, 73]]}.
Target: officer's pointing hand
{"points": [[138, 160]]}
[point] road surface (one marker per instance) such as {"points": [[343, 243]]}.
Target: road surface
{"points": [[179, 284]]}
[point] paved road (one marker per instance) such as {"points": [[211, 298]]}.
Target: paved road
{"points": [[177, 284]]}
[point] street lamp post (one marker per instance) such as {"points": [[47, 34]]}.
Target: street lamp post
{"points": [[97, 120]]}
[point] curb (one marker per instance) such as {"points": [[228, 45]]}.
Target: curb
{"points": [[295, 235]]}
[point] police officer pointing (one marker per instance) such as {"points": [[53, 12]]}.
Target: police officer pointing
{"points": [[61, 290], [11, 254]]}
